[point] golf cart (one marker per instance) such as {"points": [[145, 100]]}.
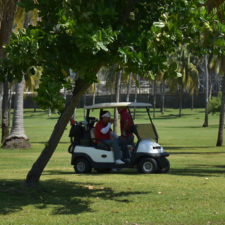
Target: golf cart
{"points": [[146, 155]]}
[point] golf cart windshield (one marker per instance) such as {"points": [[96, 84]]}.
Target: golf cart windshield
{"points": [[142, 131]]}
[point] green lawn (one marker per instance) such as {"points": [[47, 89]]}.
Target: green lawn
{"points": [[191, 193]]}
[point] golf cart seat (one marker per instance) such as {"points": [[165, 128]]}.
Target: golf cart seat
{"points": [[92, 135], [102, 145]]}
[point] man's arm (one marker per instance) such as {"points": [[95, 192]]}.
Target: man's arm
{"points": [[106, 128]]}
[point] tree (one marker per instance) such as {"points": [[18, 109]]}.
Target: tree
{"points": [[187, 79], [117, 90], [162, 87], [129, 87], [17, 138], [215, 103], [217, 8], [102, 33], [7, 14], [222, 109], [205, 124]]}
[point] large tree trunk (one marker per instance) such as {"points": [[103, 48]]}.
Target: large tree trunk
{"points": [[17, 138], [205, 124], [117, 90], [222, 110], [6, 25], [34, 174]]}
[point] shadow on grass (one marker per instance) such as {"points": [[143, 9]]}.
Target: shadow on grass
{"points": [[199, 171], [124, 171], [191, 150], [172, 116], [61, 196]]}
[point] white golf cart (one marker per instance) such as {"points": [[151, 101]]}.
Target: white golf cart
{"points": [[147, 155]]}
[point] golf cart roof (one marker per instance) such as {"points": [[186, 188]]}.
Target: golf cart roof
{"points": [[118, 104]]}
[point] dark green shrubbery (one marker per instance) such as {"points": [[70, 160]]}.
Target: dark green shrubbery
{"points": [[215, 103]]}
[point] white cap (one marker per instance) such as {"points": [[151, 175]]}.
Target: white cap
{"points": [[107, 114]]}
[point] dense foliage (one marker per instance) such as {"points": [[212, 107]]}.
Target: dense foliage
{"points": [[215, 104], [83, 36]]}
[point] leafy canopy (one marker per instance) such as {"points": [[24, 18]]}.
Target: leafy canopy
{"points": [[85, 35]]}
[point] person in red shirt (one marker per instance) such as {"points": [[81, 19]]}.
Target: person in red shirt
{"points": [[126, 124], [104, 134]]}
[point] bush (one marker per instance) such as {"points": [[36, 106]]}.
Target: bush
{"points": [[215, 104]]}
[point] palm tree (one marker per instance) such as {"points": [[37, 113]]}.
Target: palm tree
{"points": [[188, 79], [135, 94], [205, 124], [129, 87], [162, 86], [17, 138], [212, 4], [117, 91], [1, 94], [154, 90], [222, 110], [33, 80]]}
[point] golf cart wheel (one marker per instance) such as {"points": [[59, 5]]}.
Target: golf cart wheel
{"points": [[147, 165], [82, 166], [103, 170], [164, 165]]}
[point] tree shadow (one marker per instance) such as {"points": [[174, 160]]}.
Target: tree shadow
{"points": [[192, 150], [63, 196], [172, 116], [123, 171], [199, 170]]}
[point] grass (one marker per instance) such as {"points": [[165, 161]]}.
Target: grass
{"points": [[191, 193]]}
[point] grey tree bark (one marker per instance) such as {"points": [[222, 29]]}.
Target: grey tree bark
{"points": [[1, 97], [135, 96], [117, 92], [128, 88], [94, 94], [34, 174], [162, 97], [17, 137], [154, 97], [6, 24], [222, 111], [181, 92], [205, 124]]}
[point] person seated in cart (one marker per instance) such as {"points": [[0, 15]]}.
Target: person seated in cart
{"points": [[105, 135], [126, 123]]}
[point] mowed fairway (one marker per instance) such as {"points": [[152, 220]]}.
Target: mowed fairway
{"points": [[191, 193]]}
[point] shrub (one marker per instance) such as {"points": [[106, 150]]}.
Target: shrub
{"points": [[215, 103]]}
